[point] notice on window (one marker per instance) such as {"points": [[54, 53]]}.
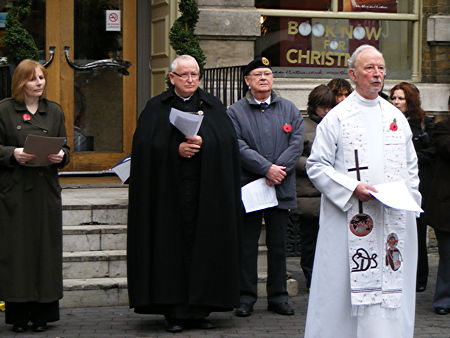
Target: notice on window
{"points": [[113, 21], [384, 6]]}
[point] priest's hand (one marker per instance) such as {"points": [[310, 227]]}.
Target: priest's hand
{"points": [[362, 192], [194, 140], [187, 150], [276, 174]]}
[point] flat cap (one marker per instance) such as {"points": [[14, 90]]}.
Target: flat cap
{"points": [[259, 62]]}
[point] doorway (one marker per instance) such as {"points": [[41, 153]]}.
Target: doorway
{"points": [[91, 50], [93, 77]]}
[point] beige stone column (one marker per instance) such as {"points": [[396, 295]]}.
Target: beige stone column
{"points": [[227, 30]]}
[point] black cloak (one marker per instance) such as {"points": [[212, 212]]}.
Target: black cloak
{"points": [[156, 253]]}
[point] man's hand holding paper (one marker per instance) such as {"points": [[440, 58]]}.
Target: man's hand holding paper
{"points": [[396, 195]]}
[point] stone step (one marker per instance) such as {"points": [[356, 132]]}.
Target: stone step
{"points": [[94, 237], [92, 292], [95, 206], [94, 264]]}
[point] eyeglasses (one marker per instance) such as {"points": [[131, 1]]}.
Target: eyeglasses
{"points": [[186, 76], [259, 75]]}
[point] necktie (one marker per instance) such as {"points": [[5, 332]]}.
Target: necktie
{"points": [[263, 106]]}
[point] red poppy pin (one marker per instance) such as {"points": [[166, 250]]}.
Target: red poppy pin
{"points": [[287, 128], [26, 117], [393, 125]]}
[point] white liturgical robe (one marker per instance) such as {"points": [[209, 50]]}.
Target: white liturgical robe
{"points": [[330, 311]]}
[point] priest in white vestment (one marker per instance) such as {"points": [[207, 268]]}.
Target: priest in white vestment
{"points": [[356, 291]]}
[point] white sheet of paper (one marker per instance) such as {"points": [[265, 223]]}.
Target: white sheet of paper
{"points": [[187, 123], [257, 195], [122, 169], [396, 195]]}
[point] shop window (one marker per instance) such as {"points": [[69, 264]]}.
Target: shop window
{"points": [[319, 46]]}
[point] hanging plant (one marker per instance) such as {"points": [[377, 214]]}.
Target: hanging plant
{"points": [[182, 37], [19, 43]]}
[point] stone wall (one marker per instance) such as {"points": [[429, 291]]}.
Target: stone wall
{"points": [[227, 30], [436, 41]]}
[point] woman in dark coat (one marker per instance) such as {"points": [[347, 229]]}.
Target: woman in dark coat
{"points": [[406, 97], [438, 214], [30, 204]]}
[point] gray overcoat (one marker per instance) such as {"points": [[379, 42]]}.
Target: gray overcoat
{"points": [[269, 136]]}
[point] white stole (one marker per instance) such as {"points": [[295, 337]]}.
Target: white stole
{"points": [[376, 274]]}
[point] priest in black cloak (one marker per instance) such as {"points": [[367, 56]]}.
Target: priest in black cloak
{"points": [[184, 208]]}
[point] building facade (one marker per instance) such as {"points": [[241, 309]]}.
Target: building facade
{"points": [[310, 41], [109, 56]]}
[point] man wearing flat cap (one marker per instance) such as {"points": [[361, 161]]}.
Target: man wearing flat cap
{"points": [[270, 136]]}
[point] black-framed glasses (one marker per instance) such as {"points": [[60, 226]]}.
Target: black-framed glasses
{"points": [[186, 76], [259, 75]]}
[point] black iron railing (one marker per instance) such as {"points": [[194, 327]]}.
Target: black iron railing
{"points": [[227, 83]]}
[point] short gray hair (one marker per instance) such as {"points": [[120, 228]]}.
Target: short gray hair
{"points": [[175, 62], [351, 62]]}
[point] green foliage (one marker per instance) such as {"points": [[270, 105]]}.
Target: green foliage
{"points": [[20, 44], [182, 38]]}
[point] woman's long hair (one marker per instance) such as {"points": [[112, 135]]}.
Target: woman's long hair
{"points": [[412, 97], [24, 72]]}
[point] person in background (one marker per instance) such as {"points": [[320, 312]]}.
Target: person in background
{"points": [[341, 88], [30, 204], [270, 137], [406, 97], [184, 207], [362, 142], [438, 213], [320, 101]]}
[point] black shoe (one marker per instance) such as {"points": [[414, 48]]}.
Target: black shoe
{"points": [[39, 327], [244, 310], [281, 308], [441, 310], [203, 324], [19, 328], [421, 288], [174, 326]]}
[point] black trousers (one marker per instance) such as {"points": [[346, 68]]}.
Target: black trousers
{"points": [[276, 221], [442, 292], [309, 229], [37, 313], [422, 259]]}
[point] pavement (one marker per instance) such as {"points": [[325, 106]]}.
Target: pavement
{"points": [[99, 322]]}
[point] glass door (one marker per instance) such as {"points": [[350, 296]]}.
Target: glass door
{"points": [[93, 77]]}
